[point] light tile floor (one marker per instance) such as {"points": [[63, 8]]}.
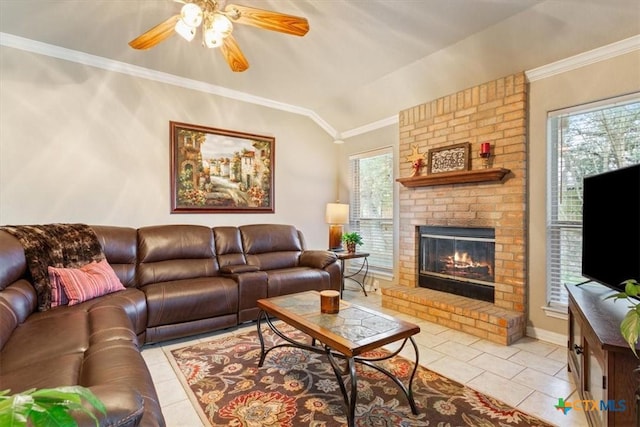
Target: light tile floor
{"points": [[529, 374]]}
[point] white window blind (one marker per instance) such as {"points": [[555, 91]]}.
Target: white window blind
{"points": [[583, 141], [371, 205]]}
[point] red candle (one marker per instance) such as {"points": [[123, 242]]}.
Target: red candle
{"points": [[485, 148]]}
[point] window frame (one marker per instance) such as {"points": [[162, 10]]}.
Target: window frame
{"points": [[355, 219], [556, 296]]}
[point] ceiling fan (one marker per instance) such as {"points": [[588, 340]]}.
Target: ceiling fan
{"points": [[217, 25]]}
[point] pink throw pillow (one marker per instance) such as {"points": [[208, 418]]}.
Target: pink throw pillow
{"points": [[82, 284]]}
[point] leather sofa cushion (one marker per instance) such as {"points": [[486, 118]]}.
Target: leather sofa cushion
{"points": [[17, 302], [125, 407], [44, 337], [61, 370], [64, 330], [317, 259], [131, 301], [299, 279], [120, 247], [175, 252], [237, 269], [110, 323], [165, 242], [229, 246], [192, 299], [261, 238], [14, 264], [271, 246], [119, 363]]}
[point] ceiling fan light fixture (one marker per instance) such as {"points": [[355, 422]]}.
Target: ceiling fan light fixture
{"points": [[221, 24], [185, 31], [191, 15], [212, 38], [217, 19]]}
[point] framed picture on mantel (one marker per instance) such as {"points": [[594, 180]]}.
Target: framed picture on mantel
{"points": [[449, 159], [220, 171]]}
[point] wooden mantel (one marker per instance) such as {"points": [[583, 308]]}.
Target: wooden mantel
{"points": [[458, 177]]}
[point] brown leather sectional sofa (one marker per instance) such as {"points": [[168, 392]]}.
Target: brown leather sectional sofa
{"points": [[180, 280]]}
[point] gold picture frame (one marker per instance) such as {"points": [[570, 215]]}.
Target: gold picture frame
{"points": [[453, 158], [220, 171]]}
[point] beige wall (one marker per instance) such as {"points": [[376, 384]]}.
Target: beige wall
{"points": [[80, 144], [606, 79]]}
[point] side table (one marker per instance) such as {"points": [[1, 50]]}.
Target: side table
{"points": [[364, 267]]}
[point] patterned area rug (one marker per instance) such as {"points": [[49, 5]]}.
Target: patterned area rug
{"points": [[298, 388]]}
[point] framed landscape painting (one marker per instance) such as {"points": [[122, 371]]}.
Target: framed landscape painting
{"points": [[220, 171]]}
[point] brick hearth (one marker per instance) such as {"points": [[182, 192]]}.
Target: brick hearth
{"points": [[494, 112], [479, 318]]}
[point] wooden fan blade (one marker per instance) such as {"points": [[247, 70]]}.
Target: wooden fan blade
{"points": [[155, 35], [268, 20], [233, 55]]}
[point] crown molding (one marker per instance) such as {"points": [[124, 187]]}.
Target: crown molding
{"points": [[9, 40], [389, 121], [16, 42], [586, 58]]}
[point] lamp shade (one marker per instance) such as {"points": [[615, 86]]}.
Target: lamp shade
{"points": [[337, 213]]}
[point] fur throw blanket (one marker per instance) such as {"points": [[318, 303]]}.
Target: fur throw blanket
{"points": [[56, 245]]}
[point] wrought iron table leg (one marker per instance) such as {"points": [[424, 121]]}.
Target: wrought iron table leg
{"points": [[412, 401], [364, 266], [259, 324], [351, 417], [350, 398]]}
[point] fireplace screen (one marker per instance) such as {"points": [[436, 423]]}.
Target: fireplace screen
{"points": [[458, 260]]}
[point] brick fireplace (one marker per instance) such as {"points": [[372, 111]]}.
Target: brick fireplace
{"points": [[493, 112], [457, 260]]}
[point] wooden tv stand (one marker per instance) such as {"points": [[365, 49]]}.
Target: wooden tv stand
{"points": [[600, 361]]}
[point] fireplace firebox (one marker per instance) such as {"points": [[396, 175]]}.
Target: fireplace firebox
{"points": [[457, 260]]}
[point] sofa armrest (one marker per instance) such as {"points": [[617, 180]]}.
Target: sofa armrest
{"points": [[124, 406], [236, 269], [317, 259]]}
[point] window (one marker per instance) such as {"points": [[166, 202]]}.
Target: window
{"points": [[371, 206], [583, 141]]}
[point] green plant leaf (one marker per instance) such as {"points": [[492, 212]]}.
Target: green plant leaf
{"points": [[629, 327], [617, 296], [352, 237], [630, 288], [88, 395], [14, 410], [13, 419], [47, 407], [55, 416]]}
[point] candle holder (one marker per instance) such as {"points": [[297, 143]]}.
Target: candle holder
{"points": [[485, 153]]}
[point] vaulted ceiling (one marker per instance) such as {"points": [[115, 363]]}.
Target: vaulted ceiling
{"points": [[362, 60]]}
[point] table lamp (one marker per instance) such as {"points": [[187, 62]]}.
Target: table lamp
{"points": [[336, 215]]}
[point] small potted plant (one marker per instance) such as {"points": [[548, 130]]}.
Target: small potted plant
{"points": [[351, 240]]}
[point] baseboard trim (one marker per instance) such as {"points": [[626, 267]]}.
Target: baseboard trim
{"points": [[548, 336]]}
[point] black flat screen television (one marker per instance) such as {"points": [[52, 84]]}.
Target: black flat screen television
{"points": [[611, 227]]}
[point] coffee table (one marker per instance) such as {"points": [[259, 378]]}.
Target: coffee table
{"points": [[345, 336]]}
